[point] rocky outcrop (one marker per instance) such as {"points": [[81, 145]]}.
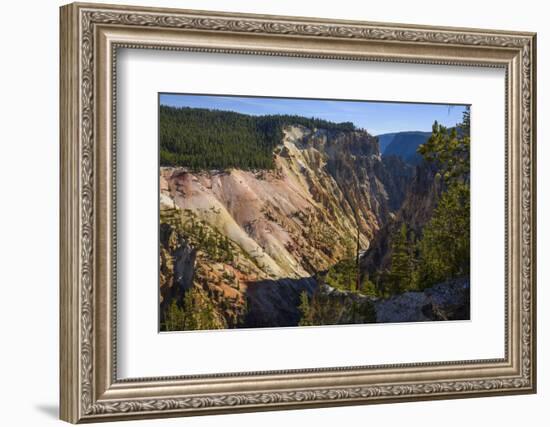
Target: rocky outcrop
{"points": [[177, 265], [275, 303], [445, 301]]}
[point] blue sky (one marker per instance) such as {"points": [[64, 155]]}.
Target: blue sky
{"points": [[376, 117]]}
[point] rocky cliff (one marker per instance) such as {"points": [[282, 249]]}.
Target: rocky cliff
{"points": [[419, 201], [445, 301], [329, 192]]}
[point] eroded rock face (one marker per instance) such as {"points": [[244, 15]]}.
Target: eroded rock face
{"points": [[396, 176], [184, 266], [417, 206], [299, 218], [177, 265], [328, 190], [445, 301]]}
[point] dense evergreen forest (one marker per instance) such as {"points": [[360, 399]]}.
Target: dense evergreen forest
{"points": [[199, 138]]}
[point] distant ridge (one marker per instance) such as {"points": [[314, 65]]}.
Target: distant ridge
{"points": [[403, 145]]}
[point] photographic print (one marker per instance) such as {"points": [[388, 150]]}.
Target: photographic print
{"points": [[277, 212]]}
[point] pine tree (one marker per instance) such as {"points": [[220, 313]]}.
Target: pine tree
{"points": [[305, 310], [449, 151], [445, 246], [174, 318], [400, 274], [196, 313], [368, 287]]}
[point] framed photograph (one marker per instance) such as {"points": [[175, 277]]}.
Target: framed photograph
{"points": [[267, 212]]}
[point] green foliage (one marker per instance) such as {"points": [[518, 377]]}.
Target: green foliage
{"points": [[215, 245], [443, 250], [173, 318], [445, 246], [212, 139], [343, 275], [366, 313], [449, 150], [368, 287], [464, 127], [400, 276], [305, 310], [325, 309], [196, 313]]}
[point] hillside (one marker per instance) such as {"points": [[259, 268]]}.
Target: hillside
{"points": [[213, 139], [403, 145], [385, 139]]}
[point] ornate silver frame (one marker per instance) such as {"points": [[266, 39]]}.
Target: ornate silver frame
{"points": [[90, 36]]}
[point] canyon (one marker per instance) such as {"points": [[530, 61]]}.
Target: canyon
{"points": [[251, 243]]}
